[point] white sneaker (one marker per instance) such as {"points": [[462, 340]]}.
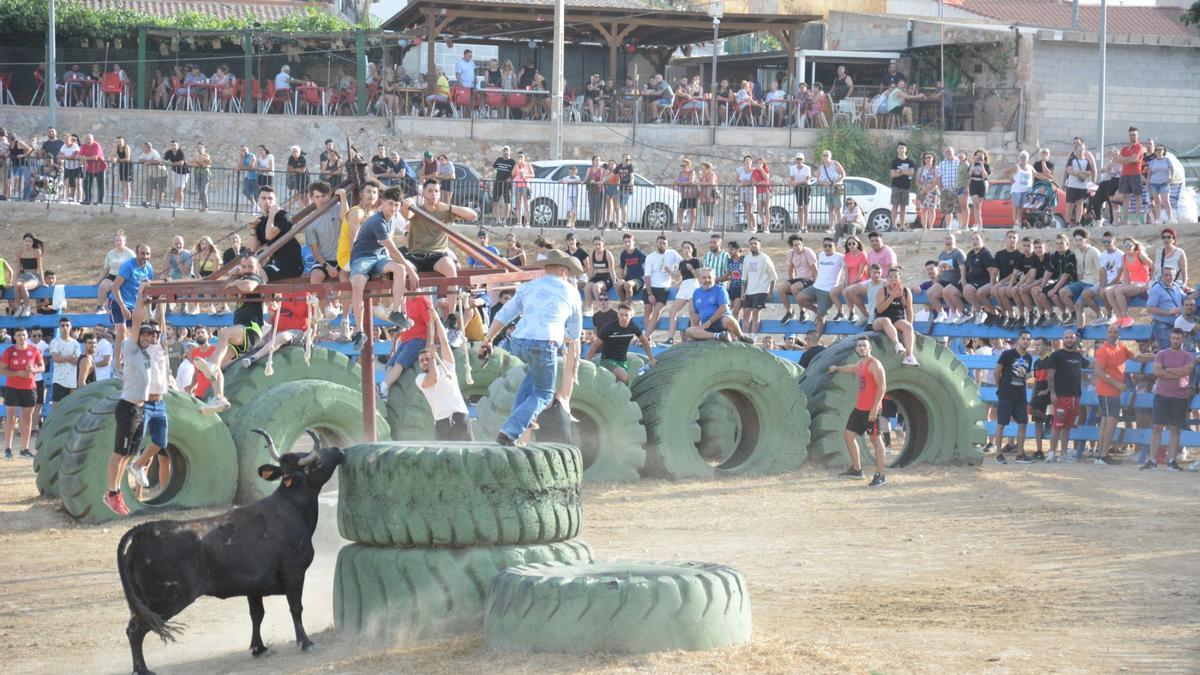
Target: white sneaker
{"points": [[910, 360], [381, 391], [139, 474], [980, 318], [964, 318], [899, 348], [216, 405], [1052, 457]]}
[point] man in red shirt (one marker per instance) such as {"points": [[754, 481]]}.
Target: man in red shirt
{"points": [[864, 419], [411, 342], [19, 364], [1110, 382], [290, 328], [1130, 184]]}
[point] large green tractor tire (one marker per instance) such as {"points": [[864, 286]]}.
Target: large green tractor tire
{"points": [[609, 433], [624, 607], [285, 410], [483, 373], [56, 430], [771, 412], [404, 595], [939, 400], [204, 463], [459, 494], [243, 385]]}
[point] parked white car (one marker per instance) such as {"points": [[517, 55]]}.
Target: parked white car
{"points": [[874, 198], [653, 207]]}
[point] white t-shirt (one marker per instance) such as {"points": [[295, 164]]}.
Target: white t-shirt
{"points": [[1022, 180], [145, 372], [70, 154], [184, 375], [660, 265], [283, 80], [801, 174], [66, 374], [986, 375], [104, 348], [829, 270], [758, 271], [1111, 263], [45, 350], [114, 259], [444, 397]]}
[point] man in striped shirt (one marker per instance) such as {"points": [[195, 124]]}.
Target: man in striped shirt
{"points": [[717, 259], [948, 174]]}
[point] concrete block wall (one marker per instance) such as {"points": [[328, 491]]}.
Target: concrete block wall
{"points": [[1154, 88]]}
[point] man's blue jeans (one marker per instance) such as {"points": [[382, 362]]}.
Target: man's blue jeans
{"points": [[537, 389]]}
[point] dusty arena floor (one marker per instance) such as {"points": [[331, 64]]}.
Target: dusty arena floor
{"points": [[1070, 568]]}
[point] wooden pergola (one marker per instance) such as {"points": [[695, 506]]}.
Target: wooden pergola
{"points": [[617, 24]]}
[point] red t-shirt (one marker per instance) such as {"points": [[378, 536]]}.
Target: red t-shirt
{"points": [[1111, 359], [16, 359], [761, 180], [1133, 168], [293, 313], [202, 383], [92, 150], [419, 309]]}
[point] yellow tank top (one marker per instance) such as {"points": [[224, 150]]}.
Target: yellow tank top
{"points": [[344, 242]]}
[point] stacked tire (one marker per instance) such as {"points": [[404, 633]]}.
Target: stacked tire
{"points": [[432, 525]]}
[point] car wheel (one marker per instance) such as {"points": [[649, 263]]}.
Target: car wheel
{"points": [[779, 219], [544, 213], [657, 216], [880, 221]]}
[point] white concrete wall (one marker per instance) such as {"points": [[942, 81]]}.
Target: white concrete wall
{"points": [[1154, 88]]}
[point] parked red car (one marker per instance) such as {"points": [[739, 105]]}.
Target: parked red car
{"points": [[997, 206]]}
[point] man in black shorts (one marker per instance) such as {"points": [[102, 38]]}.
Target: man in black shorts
{"points": [[502, 183], [864, 419], [1012, 370], [428, 242], [612, 341], [235, 340], [1039, 403], [632, 263], [1173, 370]]}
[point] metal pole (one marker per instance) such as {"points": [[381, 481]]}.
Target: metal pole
{"points": [[942, 41], [714, 107], [52, 67], [1103, 67], [556, 103], [1075, 15], [366, 363]]}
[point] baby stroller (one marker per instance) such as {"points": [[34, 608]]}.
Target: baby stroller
{"points": [[1096, 206], [1039, 205], [46, 183]]}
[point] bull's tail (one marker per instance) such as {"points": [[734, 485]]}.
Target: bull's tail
{"points": [[126, 550]]}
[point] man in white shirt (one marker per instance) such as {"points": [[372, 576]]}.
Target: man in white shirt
{"points": [[104, 357], [464, 70], [439, 383], [800, 178], [1112, 261], [660, 265], [758, 278], [64, 352], [816, 297], [283, 79]]}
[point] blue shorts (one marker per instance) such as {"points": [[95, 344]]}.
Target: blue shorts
{"points": [[371, 266], [625, 196], [1160, 331], [116, 316], [1076, 289], [408, 353], [155, 415], [1160, 188]]}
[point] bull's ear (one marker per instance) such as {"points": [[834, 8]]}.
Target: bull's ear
{"points": [[269, 472]]}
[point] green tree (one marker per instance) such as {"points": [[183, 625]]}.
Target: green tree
{"points": [[1192, 16]]}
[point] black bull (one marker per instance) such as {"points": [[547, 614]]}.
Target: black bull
{"points": [[257, 550]]}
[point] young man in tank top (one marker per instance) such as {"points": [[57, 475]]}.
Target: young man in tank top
{"points": [[864, 419], [428, 244]]}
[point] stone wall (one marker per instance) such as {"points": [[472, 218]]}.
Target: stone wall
{"points": [[656, 148], [1153, 87]]}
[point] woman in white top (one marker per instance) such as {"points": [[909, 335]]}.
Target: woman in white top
{"points": [[831, 177], [1022, 179], [264, 165], [800, 178], [1080, 170], [72, 169], [113, 260], [853, 222]]}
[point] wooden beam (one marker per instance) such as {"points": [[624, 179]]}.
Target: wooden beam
{"points": [[476, 251], [216, 289]]}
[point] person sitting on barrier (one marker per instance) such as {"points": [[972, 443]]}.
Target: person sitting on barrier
{"points": [[428, 242], [287, 262], [289, 329], [1132, 281], [1064, 371], [438, 382], [945, 306], [612, 340], [410, 343], [1013, 368], [709, 318], [1111, 262], [551, 314], [1172, 394], [861, 295], [374, 255], [235, 340], [1008, 262], [1164, 302], [819, 296], [864, 418], [1061, 272], [1088, 275], [894, 315], [113, 260], [801, 271]]}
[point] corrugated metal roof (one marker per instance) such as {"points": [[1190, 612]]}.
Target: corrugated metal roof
{"points": [[1156, 21], [262, 9]]}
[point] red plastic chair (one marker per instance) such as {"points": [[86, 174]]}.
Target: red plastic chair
{"points": [[232, 102], [310, 97], [283, 96], [40, 92], [345, 97], [110, 85], [518, 100]]}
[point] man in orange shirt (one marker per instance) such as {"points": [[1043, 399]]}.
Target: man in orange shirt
{"points": [[1110, 382]]}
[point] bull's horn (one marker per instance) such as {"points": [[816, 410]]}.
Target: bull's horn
{"points": [[309, 458], [317, 445], [270, 444]]}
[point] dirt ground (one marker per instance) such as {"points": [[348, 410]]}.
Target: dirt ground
{"points": [[1065, 568]]}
